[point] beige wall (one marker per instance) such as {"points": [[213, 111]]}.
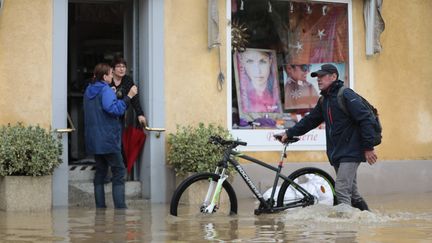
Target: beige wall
{"points": [[191, 69], [25, 62], [396, 81]]}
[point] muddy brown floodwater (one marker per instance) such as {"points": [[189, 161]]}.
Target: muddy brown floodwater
{"points": [[394, 218]]}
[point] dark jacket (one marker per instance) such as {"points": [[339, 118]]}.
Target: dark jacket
{"points": [[102, 112], [347, 136], [122, 91]]}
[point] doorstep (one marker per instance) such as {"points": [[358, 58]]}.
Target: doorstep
{"points": [[81, 190]]}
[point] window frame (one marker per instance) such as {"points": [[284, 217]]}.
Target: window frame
{"points": [[262, 139]]}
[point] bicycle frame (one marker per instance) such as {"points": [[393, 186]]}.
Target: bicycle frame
{"points": [[265, 205]]}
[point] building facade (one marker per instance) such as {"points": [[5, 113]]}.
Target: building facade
{"points": [[176, 51]]}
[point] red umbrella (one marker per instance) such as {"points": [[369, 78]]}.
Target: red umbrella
{"points": [[133, 139]]}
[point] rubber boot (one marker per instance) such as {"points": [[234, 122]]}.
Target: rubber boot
{"points": [[99, 194], [119, 196], [360, 204]]}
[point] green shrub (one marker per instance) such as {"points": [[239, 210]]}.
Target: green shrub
{"points": [[190, 151], [28, 151]]}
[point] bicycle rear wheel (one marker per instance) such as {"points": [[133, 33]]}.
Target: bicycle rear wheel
{"points": [[315, 181], [188, 198]]}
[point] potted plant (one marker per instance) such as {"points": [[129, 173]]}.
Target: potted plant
{"points": [[189, 149], [28, 157]]}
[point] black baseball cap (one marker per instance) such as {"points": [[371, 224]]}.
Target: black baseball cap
{"points": [[325, 69]]}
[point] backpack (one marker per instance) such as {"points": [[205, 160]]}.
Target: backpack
{"points": [[372, 110]]}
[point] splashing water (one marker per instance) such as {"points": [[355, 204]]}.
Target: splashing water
{"points": [[343, 213]]}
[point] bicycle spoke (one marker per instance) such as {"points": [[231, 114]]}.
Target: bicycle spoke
{"points": [[189, 201], [192, 200], [315, 181]]}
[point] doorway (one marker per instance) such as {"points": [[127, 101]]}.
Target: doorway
{"points": [[142, 44], [97, 32]]}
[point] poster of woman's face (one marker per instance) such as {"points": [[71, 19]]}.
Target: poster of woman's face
{"points": [[257, 81]]}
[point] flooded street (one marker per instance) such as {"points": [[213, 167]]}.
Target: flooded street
{"points": [[394, 218]]}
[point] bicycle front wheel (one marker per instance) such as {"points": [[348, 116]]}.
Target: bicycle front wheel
{"points": [[315, 181], [188, 198]]}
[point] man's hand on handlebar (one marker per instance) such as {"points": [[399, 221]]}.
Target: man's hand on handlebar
{"points": [[281, 137]]}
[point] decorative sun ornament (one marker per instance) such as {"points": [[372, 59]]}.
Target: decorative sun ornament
{"points": [[238, 36]]}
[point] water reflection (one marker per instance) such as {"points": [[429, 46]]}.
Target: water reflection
{"points": [[398, 218], [107, 225]]}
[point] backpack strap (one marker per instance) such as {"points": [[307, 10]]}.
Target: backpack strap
{"points": [[341, 100]]}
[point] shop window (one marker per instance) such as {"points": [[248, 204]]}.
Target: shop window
{"points": [[275, 45]]}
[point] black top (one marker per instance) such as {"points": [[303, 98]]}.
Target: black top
{"points": [[123, 89], [347, 135]]}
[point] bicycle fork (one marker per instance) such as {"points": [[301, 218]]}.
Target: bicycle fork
{"points": [[213, 193]]}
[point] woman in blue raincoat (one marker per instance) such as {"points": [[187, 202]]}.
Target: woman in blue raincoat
{"points": [[102, 112]]}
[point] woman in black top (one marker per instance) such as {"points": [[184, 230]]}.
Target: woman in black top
{"points": [[122, 84]]}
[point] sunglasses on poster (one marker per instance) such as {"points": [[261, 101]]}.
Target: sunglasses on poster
{"points": [[304, 67]]}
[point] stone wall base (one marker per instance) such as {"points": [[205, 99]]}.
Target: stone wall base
{"points": [[26, 193]]}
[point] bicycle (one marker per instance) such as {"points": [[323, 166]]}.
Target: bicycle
{"points": [[219, 197]]}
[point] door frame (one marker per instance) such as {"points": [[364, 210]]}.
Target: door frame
{"points": [[151, 85], [151, 62], [60, 180]]}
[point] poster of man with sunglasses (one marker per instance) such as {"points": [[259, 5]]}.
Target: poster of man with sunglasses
{"points": [[300, 94], [301, 91]]}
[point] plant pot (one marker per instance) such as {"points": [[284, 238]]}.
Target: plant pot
{"points": [[26, 193]]}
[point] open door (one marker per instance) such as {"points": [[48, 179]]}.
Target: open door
{"points": [[96, 34], [85, 33]]}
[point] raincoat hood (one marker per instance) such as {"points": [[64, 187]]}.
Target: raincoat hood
{"points": [[94, 89]]}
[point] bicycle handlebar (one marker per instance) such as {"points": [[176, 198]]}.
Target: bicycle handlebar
{"points": [[293, 139], [288, 141], [221, 141]]}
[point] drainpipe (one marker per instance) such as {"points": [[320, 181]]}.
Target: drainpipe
{"points": [[1, 6], [374, 25]]}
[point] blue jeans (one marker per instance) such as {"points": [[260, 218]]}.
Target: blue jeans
{"points": [[115, 161]]}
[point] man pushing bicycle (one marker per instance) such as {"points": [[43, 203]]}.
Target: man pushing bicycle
{"points": [[349, 136]]}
